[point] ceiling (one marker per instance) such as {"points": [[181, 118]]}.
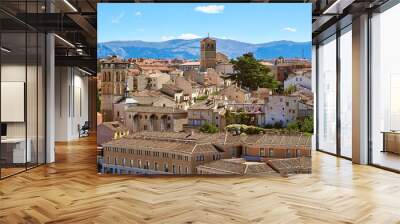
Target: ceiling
{"points": [[75, 21]]}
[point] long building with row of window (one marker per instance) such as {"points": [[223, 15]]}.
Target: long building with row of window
{"points": [[183, 153]]}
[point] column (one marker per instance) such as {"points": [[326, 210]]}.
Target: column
{"points": [[360, 90]]}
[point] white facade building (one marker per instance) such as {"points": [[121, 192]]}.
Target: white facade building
{"points": [[298, 80], [281, 109]]}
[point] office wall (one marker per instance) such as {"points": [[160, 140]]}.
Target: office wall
{"points": [[71, 102]]}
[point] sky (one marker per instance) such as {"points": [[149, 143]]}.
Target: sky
{"points": [[248, 22]]}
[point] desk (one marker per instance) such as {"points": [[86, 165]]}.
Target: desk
{"points": [[13, 150], [391, 141]]}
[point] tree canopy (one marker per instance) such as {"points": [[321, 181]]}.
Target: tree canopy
{"points": [[209, 128], [252, 74]]}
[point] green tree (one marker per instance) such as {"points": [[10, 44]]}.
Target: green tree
{"points": [[209, 128], [252, 74], [307, 125], [290, 89], [293, 126]]}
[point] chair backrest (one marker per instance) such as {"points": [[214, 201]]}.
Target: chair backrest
{"points": [[86, 125]]}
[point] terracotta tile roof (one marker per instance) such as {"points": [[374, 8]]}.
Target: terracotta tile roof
{"points": [[220, 139], [191, 63], [114, 126], [170, 89], [295, 140], [291, 165], [183, 146], [149, 109], [236, 166], [149, 100], [147, 93], [217, 139]]}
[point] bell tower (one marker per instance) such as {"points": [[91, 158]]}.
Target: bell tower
{"points": [[208, 53]]}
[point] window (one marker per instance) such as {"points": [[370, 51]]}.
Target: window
{"points": [[298, 152], [327, 95], [155, 166], [271, 153], [166, 167], [262, 152], [346, 92], [288, 153], [139, 163], [385, 89]]}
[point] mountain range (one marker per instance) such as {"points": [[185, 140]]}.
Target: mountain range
{"points": [[190, 49]]}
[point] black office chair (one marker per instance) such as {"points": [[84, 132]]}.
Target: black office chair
{"points": [[84, 130]]}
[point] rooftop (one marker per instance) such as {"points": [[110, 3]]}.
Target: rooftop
{"points": [[191, 63], [134, 142], [237, 166], [114, 126], [150, 109], [272, 139]]}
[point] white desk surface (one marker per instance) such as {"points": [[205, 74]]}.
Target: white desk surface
{"points": [[13, 140]]}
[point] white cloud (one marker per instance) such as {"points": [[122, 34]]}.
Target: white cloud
{"points": [[118, 18], [184, 36], [165, 38], [210, 9], [138, 13], [226, 38], [290, 29], [188, 36]]}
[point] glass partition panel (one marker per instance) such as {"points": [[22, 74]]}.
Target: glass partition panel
{"points": [[31, 98], [327, 95], [385, 89], [346, 92], [14, 153]]}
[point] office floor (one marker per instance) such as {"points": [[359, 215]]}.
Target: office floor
{"points": [[70, 191], [387, 159]]}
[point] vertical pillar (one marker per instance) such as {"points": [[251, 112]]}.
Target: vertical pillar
{"points": [[92, 103], [360, 89], [314, 90], [50, 98]]}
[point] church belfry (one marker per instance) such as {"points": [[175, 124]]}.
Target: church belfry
{"points": [[208, 53]]}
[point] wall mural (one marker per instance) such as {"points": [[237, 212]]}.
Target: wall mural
{"points": [[207, 89]]}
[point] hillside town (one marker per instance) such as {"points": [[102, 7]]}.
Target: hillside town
{"points": [[211, 116]]}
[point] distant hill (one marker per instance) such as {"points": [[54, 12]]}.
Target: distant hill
{"points": [[190, 49]]}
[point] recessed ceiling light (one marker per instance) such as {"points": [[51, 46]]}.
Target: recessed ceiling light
{"points": [[5, 50], [70, 5], [64, 40], [86, 72]]}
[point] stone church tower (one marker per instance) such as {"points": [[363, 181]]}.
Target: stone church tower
{"points": [[208, 53]]}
